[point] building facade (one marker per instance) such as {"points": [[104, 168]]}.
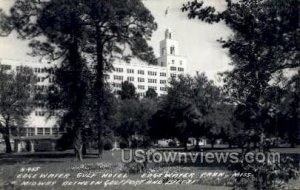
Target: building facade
{"points": [[145, 76], [41, 125]]}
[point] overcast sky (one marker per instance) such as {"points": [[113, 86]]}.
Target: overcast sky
{"points": [[197, 40]]}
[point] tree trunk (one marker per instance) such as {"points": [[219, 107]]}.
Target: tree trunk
{"points": [[6, 137], [100, 143], [99, 88], [77, 86], [77, 142]]}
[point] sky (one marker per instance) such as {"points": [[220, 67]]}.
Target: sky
{"points": [[197, 40]]}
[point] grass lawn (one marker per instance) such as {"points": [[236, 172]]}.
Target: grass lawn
{"points": [[64, 163]]}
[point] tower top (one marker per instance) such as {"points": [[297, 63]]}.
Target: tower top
{"points": [[168, 33]]}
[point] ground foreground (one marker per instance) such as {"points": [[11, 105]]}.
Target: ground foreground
{"points": [[59, 170]]}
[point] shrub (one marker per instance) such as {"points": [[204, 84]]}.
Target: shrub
{"points": [[172, 144], [134, 167], [43, 146], [107, 145], [123, 144]]}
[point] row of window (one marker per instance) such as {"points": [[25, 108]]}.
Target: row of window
{"points": [[172, 50], [173, 62], [142, 87], [151, 80], [140, 72], [151, 73], [141, 94], [41, 131], [153, 87], [174, 69], [117, 77], [41, 79], [5, 67], [24, 68], [43, 113], [21, 68], [39, 70], [117, 85], [131, 79], [41, 87], [119, 70]]}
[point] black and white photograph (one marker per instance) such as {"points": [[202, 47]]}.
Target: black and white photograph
{"points": [[150, 94]]}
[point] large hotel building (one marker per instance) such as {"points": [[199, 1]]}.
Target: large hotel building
{"points": [[39, 128]]}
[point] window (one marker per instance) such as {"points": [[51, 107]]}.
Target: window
{"points": [[180, 69], [141, 72], [39, 113], [163, 74], [40, 131], [173, 62], [5, 67], [141, 87], [152, 80], [55, 131], [107, 77], [173, 75], [117, 77], [130, 79], [30, 132], [22, 131], [51, 79], [141, 94], [173, 68], [38, 79], [141, 79], [153, 87], [180, 62], [152, 73], [43, 70], [117, 85], [163, 81], [50, 71], [172, 50], [47, 131], [119, 70], [37, 70], [163, 88], [130, 71]]}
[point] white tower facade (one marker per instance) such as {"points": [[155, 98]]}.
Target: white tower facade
{"points": [[170, 56], [144, 76]]}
